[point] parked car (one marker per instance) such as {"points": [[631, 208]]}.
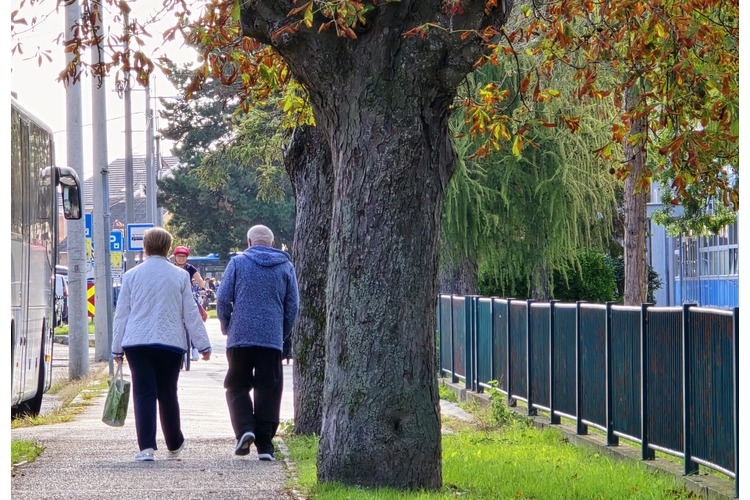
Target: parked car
{"points": [[61, 297]]}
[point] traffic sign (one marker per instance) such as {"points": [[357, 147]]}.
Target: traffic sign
{"points": [[89, 232], [90, 301], [115, 241], [135, 236]]}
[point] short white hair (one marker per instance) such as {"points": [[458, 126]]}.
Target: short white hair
{"points": [[260, 235]]}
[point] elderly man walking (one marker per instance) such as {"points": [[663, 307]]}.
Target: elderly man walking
{"points": [[257, 304]]}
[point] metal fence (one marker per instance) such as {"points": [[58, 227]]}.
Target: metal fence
{"points": [[665, 378]]}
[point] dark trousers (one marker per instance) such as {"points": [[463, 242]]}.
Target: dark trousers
{"points": [[258, 369], [154, 374]]}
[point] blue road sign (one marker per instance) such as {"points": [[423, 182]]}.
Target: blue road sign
{"points": [[115, 241], [135, 236], [89, 232]]}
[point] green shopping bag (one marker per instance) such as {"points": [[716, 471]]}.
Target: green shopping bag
{"points": [[116, 406]]}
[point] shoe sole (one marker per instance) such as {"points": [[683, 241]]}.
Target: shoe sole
{"points": [[243, 446], [266, 457]]}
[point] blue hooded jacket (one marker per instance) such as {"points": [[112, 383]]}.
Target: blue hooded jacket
{"points": [[258, 300]]}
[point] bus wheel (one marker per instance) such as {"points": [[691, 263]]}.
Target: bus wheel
{"points": [[35, 403], [33, 406]]}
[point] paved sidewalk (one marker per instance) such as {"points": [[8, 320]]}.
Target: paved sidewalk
{"points": [[86, 459]]}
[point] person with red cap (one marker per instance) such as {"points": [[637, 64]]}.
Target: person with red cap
{"points": [[181, 254]]}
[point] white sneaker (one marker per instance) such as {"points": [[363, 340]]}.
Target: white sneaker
{"points": [[195, 354], [173, 454], [146, 455]]}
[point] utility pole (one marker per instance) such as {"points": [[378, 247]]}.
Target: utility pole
{"points": [[130, 256], [77, 306], [150, 172], [158, 220], [101, 216]]}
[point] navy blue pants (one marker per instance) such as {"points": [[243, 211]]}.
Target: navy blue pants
{"points": [[154, 373], [258, 369]]}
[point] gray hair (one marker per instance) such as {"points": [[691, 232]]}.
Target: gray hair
{"points": [[260, 235]]}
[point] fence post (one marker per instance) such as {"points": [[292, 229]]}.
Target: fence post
{"points": [[736, 402], [454, 379], [468, 323], [691, 467], [530, 409], [440, 336], [612, 439], [511, 400], [581, 428], [646, 452], [475, 348], [493, 374], [553, 419]]}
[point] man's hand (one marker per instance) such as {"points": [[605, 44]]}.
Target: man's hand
{"points": [[286, 351]]}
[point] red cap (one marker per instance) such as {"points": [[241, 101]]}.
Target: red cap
{"points": [[181, 251]]}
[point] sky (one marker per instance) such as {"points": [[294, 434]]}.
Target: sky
{"points": [[38, 91]]}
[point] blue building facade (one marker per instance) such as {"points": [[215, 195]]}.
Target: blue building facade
{"points": [[703, 270]]}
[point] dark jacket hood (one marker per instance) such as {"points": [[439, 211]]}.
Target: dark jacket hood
{"points": [[267, 256]]}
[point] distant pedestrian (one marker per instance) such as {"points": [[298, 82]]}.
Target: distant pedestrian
{"points": [[154, 308], [257, 305], [179, 259], [181, 255]]}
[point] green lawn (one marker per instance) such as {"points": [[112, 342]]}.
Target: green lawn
{"points": [[516, 461]]}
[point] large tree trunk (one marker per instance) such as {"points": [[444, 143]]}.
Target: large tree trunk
{"points": [[540, 283], [308, 162], [392, 163], [636, 197], [382, 101]]}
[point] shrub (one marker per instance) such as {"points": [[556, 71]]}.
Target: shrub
{"points": [[593, 281]]}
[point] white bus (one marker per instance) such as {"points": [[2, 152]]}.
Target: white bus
{"points": [[34, 236]]}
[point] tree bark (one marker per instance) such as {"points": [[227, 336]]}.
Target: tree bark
{"points": [[459, 278], [308, 162], [381, 423], [636, 193], [382, 101]]}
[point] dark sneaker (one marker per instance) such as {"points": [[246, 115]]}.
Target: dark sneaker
{"points": [[243, 444], [265, 452]]}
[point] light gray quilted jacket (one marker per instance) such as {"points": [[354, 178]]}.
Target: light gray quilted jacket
{"points": [[155, 307]]}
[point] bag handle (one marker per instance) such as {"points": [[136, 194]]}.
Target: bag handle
{"points": [[118, 376]]}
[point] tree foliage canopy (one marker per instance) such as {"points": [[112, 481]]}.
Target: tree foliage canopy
{"points": [[683, 56], [231, 175], [524, 217]]}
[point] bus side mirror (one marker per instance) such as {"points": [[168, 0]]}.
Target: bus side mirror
{"points": [[71, 192], [71, 202]]}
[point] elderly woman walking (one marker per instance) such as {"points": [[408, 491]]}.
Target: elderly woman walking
{"points": [[154, 308]]}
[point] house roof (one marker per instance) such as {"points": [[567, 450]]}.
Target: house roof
{"points": [[116, 180], [117, 202]]}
